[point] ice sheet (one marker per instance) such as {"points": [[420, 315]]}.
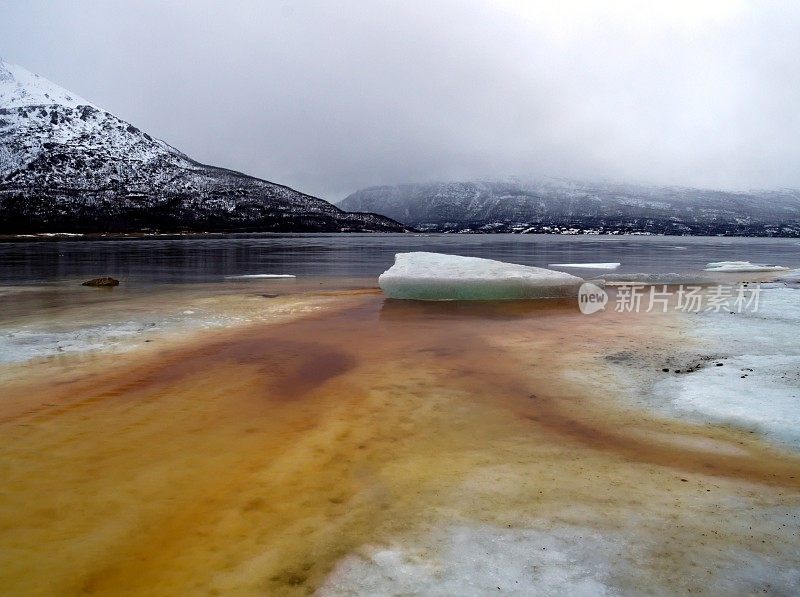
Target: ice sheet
{"points": [[586, 265], [255, 276], [791, 277], [742, 266], [476, 560], [757, 384], [656, 278], [436, 276], [484, 560]]}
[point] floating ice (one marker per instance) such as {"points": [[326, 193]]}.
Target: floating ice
{"points": [[435, 276], [742, 266], [253, 276], [657, 278], [587, 265]]}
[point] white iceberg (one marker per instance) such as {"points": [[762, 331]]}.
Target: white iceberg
{"points": [[587, 265], [742, 266], [436, 276]]}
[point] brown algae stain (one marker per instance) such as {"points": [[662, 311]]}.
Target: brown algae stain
{"points": [[254, 461]]}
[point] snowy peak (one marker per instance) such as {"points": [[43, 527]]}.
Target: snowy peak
{"points": [[66, 165], [21, 88]]}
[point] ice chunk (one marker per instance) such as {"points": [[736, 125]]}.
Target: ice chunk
{"points": [[587, 265], [657, 278], [436, 276], [742, 266], [255, 276]]}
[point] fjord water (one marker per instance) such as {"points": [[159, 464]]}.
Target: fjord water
{"points": [[210, 258]]}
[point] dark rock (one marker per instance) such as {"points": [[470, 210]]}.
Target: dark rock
{"points": [[106, 282], [665, 370]]}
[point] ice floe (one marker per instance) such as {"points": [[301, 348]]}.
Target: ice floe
{"points": [[742, 266], [436, 276], [657, 278], [256, 276], [586, 265]]}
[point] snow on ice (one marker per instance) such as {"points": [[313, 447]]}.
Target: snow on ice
{"points": [[742, 266], [482, 560], [258, 276], [587, 265], [436, 276], [756, 385]]}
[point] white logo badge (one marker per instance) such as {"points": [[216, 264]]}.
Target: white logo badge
{"points": [[591, 298]]}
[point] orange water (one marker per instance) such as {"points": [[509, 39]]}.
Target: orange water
{"points": [[250, 461]]}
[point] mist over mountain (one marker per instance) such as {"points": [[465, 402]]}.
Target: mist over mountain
{"points": [[67, 165], [569, 206]]}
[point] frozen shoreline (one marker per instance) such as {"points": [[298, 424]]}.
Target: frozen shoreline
{"points": [[551, 560], [576, 554], [753, 381], [95, 328], [509, 501]]}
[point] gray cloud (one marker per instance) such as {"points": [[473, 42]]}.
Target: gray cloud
{"points": [[328, 97]]}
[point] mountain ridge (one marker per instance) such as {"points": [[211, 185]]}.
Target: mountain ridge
{"points": [[69, 166], [570, 206]]}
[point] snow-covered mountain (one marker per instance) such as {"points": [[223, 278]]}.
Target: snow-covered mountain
{"points": [[68, 165], [559, 205]]}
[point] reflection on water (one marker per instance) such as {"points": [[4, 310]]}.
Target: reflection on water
{"points": [[210, 259]]}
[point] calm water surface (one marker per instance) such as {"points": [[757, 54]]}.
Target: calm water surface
{"points": [[210, 259]]}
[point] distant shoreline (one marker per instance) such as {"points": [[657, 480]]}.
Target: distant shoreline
{"points": [[65, 236]]}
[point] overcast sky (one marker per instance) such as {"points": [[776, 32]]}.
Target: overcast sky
{"points": [[334, 95]]}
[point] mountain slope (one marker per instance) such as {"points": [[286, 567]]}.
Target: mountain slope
{"points": [[67, 165], [550, 204]]}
